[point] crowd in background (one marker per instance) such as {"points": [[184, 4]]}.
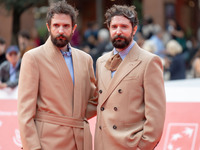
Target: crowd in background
{"points": [[180, 55]]}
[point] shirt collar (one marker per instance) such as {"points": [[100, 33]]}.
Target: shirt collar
{"points": [[67, 53], [125, 51]]}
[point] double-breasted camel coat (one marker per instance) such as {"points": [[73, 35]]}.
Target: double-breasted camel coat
{"points": [[51, 109], [131, 105]]}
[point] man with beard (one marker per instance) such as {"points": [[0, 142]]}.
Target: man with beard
{"points": [[56, 89], [131, 103]]}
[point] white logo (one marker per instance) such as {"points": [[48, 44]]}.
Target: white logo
{"points": [[188, 131], [17, 139], [181, 136]]}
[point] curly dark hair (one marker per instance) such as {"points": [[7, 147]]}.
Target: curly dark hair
{"points": [[61, 7], [122, 10]]}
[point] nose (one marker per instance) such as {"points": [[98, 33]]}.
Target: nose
{"points": [[118, 31], [61, 30]]}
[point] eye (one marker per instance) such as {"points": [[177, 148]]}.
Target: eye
{"points": [[66, 26], [113, 26], [56, 25]]}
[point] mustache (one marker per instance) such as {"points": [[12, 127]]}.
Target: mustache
{"points": [[61, 36], [119, 36]]}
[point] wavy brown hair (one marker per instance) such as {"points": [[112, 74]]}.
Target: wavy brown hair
{"points": [[122, 10], [61, 7]]}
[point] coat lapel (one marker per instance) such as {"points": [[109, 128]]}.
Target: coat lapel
{"points": [[105, 73], [130, 62], [77, 102], [61, 67]]}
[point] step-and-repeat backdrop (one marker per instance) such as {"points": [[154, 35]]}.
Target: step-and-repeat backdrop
{"points": [[182, 124]]}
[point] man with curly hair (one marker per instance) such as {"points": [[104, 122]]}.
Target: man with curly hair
{"points": [[131, 103]]}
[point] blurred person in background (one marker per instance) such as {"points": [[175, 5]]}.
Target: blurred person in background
{"points": [[24, 41], [193, 46], [103, 45], [91, 35], [9, 69], [157, 39], [2, 50], [176, 32], [148, 27], [196, 65], [175, 63], [35, 38], [149, 46]]}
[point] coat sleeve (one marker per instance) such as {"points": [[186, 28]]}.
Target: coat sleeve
{"points": [[27, 100], [155, 104], [92, 103]]}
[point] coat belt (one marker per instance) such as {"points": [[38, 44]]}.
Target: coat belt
{"points": [[60, 120], [68, 121]]}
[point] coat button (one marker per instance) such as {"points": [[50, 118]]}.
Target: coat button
{"points": [[102, 108], [120, 91], [100, 91], [115, 108], [114, 127], [100, 127]]}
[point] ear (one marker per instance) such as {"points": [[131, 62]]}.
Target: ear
{"points": [[74, 28], [48, 27], [134, 30]]}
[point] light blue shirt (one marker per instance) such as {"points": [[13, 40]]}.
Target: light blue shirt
{"points": [[160, 48], [12, 72], [68, 59], [123, 54]]}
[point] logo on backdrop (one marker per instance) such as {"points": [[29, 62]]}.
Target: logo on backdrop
{"points": [[17, 139], [179, 133]]}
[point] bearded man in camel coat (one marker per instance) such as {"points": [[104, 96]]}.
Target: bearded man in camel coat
{"points": [[56, 89], [131, 104]]}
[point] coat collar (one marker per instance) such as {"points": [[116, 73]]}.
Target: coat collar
{"points": [[130, 62], [56, 56], [77, 102], [61, 67], [105, 73]]}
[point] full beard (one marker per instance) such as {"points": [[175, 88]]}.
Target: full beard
{"points": [[60, 40], [121, 41]]}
